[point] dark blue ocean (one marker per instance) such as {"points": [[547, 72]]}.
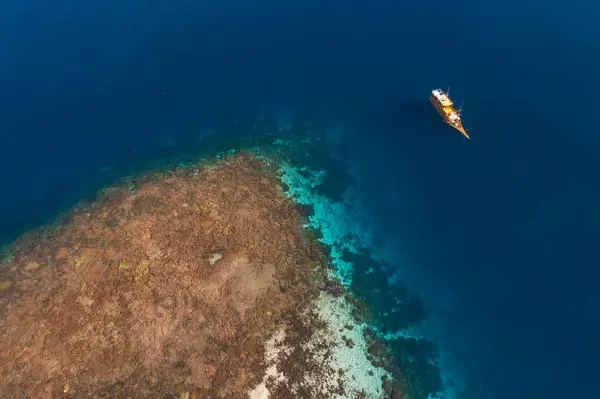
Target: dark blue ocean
{"points": [[498, 235]]}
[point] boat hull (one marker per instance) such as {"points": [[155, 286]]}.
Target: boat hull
{"points": [[440, 109]]}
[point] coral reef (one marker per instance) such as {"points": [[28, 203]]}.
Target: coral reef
{"points": [[197, 282]]}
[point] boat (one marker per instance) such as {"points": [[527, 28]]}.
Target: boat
{"points": [[445, 107]]}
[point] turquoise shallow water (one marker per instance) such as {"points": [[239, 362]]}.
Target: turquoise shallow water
{"points": [[495, 237]]}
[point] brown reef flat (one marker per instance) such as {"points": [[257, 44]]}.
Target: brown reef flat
{"points": [[183, 287]]}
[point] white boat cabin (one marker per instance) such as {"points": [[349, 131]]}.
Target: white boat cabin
{"points": [[442, 97]]}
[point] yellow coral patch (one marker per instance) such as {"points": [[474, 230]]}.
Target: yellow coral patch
{"points": [[141, 272], [79, 261], [31, 266], [5, 284]]}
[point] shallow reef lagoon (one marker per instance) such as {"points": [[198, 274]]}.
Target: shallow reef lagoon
{"points": [[478, 258]]}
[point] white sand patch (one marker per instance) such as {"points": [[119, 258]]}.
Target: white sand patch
{"points": [[259, 392], [336, 369], [214, 258], [275, 351], [358, 374]]}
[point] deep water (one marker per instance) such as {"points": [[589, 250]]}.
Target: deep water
{"points": [[496, 236]]}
